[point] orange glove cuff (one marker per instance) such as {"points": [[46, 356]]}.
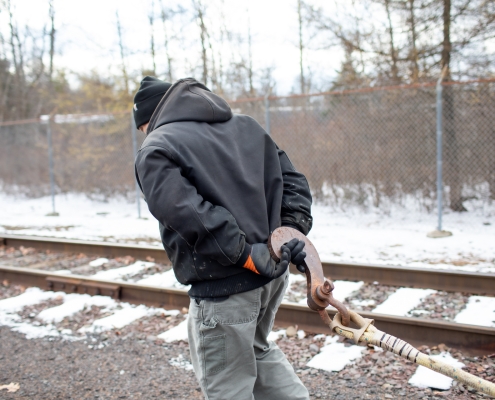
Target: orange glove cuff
{"points": [[250, 265]]}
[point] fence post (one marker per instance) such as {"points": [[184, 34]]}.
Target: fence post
{"points": [[134, 148], [50, 166], [438, 233], [267, 113]]}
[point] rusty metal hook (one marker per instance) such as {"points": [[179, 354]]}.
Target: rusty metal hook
{"points": [[320, 289]]}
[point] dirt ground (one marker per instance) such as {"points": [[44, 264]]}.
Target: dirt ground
{"points": [[132, 367]]}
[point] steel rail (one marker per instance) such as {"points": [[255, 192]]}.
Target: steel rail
{"points": [[476, 340], [103, 249], [447, 280]]}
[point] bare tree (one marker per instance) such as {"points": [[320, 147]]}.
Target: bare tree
{"points": [[122, 53], [52, 38], [151, 18], [250, 59], [393, 52], [199, 11], [301, 46], [206, 43], [414, 50], [17, 59], [165, 14], [449, 116]]}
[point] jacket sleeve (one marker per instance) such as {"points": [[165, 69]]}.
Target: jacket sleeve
{"points": [[210, 230], [296, 199]]}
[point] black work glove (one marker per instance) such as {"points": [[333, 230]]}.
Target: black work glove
{"points": [[261, 262], [297, 256]]}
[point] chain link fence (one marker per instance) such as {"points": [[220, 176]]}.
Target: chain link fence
{"points": [[373, 148], [376, 148], [92, 154]]}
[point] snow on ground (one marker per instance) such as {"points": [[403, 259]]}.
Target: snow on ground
{"points": [[397, 237], [122, 272], [119, 318], [122, 313], [30, 297], [98, 262], [30, 330], [480, 310], [334, 356], [425, 377], [274, 336], [402, 301], [295, 278], [344, 289], [176, 333], [180, 362], [74, 303], [165, 279]]}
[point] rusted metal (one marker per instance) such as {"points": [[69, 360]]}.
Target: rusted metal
{"points": [[449, 281], [128, 292], [70, 284], [319, 288], [475, 340], [104, 249]]}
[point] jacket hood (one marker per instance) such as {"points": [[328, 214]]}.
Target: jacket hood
{"points": [[189, 100]]}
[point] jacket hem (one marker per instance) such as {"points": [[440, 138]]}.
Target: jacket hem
{"points": [[234, 284]]}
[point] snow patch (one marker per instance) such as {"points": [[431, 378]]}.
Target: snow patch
{"points": [[62, 272], [274, 336], [74, 303], [119, 319], [180, 362], [424, 377], [402, 301], [480, 310], [363, 303], [294, 278], [344, 289], [176, 333], [30, 297], [334, 356], [98, 262], [128, 271], [14, 322], [165, 279]]}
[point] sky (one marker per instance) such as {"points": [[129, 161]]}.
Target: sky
{"points": [[87, 36]]}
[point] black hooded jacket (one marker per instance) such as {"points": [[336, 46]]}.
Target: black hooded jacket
{"points": [[215, 181]]}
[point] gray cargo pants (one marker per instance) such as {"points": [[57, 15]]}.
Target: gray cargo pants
{"points": [[230, 354]]}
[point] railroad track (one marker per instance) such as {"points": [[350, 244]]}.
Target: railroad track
{"points": [[449, 281], [474, 339]]}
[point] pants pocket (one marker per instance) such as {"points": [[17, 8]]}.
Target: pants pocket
{"points": [[240, 308], [215, 354]]}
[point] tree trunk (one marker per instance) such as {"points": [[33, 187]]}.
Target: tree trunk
{"points": [[301, 48], [122, 56], [414, 50], [250, 63], [491, 171], [167, 52], [152, 42], [452, 176], [52, 40], [393, 53], [203, 33]]}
